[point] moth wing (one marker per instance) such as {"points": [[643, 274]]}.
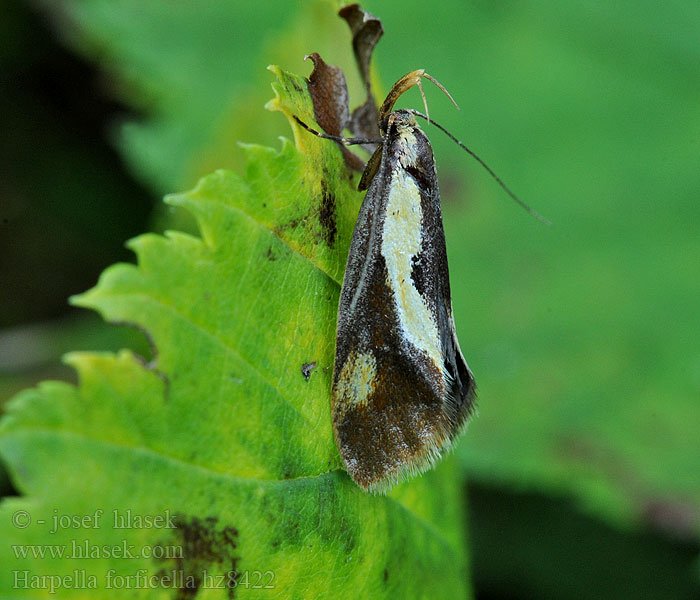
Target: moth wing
{"points": [[401, 392]]}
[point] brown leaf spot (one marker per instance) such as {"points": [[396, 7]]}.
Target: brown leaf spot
{"points": [[202, 549], [326, 215]]}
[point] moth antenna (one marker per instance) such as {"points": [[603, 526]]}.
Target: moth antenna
{"points": [[489, 170], [425, 102], [343, 140], [442, 88], [406, 83]]}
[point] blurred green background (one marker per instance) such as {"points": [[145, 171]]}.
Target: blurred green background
{"points": [[584, 462]]}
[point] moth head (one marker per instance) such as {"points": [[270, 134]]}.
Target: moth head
{"points": [[396, 122], [392, 122], [399, 131]]}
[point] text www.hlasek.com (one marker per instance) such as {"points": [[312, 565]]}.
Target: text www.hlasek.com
{"points": [[85, 549]]}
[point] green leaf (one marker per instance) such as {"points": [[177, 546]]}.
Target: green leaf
{"points": [[222, 430]]}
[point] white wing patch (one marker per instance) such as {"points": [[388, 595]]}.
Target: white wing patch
{"points": [[356, 380], [401, 241]]}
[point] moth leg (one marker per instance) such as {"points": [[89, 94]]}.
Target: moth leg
{"points": [[342, 140]]}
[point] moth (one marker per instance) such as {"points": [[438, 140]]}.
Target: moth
{"points": [[402, 390]]}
